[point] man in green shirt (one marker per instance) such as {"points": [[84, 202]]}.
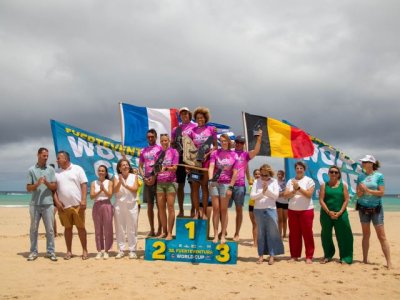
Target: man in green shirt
{"points": [[41, 183]]}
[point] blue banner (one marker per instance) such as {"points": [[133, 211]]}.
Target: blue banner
{"points": [[90, 150], [318, 164]]}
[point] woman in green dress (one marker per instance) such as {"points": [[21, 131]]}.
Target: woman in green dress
{"points": [[334, 197]]}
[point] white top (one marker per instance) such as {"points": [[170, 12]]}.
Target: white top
{"points": [[265, 199], [102, 196], [299, 201], [69, 185], [125, 195]]}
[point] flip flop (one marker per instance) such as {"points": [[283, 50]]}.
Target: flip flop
{"points": [[68, 256]]}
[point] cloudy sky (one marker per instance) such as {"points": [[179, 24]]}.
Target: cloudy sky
{"points": [[331, 67]]}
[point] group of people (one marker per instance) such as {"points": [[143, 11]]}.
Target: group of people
{"points": [[221, 178]]}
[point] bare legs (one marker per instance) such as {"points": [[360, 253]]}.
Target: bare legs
{"points": [[203, 183], [282, 221], [380, 232], [68, 241], [168, 200], [220, 210], [254, 227]]}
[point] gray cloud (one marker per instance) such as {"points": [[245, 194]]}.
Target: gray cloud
{"points": [[330, 68]]}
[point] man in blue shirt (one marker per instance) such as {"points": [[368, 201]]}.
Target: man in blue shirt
{"points": [[41, 183]]}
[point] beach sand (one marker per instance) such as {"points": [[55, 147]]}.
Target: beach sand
{"points": [[140, 279]]}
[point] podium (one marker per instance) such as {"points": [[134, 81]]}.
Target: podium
{"points": [[191, 245]]}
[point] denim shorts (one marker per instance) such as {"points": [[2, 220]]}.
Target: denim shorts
{"points": [[376, 218], [218, 189], [238, 194]]}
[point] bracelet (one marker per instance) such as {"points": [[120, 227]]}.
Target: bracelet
{"points": [[230, 187]]}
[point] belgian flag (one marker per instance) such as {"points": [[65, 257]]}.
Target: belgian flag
{"points": [[278, 139]]}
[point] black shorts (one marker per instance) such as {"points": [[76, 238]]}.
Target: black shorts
{"points": [[282, 205], [251, 208], [180, 172]]}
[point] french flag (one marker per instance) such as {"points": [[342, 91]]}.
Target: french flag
{"points": [[137, 120]]}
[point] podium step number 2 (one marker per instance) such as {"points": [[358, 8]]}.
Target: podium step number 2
{"points": [[191, 245]]}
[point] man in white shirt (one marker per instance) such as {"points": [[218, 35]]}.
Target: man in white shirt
{"points": [[70, 200]]}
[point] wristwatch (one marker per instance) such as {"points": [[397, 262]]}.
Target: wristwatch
{"points": [[230, 187]]}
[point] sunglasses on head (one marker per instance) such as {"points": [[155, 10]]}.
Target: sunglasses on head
{"points": [[163, 134], [333, 172]]}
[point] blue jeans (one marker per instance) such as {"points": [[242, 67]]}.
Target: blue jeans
{"points": [[47, 213], [268, 238]]}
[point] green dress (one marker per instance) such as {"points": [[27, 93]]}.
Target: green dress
{"points": [[334, 198]]}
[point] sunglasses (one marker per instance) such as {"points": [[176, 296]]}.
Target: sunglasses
{"points": [[163, 134], [150, 136], [265, 176], [333, 172], [240, 143]]}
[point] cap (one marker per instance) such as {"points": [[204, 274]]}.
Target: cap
{"points": [[368, 158], [240, 139], [184, 109]]}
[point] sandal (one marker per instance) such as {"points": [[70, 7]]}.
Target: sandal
{"points": [[85, 257], [260, 261], [68, 256]]}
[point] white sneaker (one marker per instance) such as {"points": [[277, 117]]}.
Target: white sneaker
{"points": [[99, 255], [132, 255], [105, 255], [120, 255], [32, 256]]}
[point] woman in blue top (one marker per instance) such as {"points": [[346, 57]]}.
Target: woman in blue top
{"points": [[370, 189]]}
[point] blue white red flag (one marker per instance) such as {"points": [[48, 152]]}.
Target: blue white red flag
{"points": [[137, 120]]}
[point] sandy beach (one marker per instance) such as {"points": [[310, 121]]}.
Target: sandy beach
{"points": [[140, 279]]}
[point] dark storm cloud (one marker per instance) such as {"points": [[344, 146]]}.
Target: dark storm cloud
{"points": [[330, 68]]}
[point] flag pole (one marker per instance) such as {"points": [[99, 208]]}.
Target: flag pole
{"points": [[120, 123], [245, 130]]}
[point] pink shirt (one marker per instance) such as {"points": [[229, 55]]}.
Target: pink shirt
{"points": [[186, 129], [242, 160], [225, 160], [148, 157], [171, 158], [200, 134]]}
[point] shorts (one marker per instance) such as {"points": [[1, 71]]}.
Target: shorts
{"points": [[218, 189], [166, 187], [181, 172], [251, 208], [72, 216], [282, 205], [376, 218], [149, 193], [238, 194]]}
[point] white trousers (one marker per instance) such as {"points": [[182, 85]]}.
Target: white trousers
{"points": [[126, 223]]}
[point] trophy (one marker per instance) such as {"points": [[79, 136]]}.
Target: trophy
{"points": [[257, 127]]}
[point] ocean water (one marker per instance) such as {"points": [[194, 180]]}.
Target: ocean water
{"points": [[20, 199]]}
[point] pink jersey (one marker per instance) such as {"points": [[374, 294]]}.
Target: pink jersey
{"points": [[225, 160], [242, 160], [186, 129], [200, 134], [171, 158], [148, 157]]}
